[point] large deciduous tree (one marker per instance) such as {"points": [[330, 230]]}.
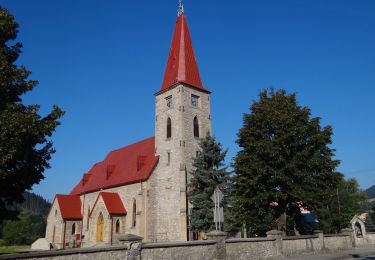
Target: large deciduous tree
{"points": [[209, 172], [25, 146], [284, 165]]}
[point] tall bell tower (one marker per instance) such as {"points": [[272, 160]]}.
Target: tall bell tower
{"points": [[182, 118]]}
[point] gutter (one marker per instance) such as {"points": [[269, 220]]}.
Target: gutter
{"points": [[111, 230]]}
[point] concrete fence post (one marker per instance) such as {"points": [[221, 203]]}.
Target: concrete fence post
{"points": [[350, 232], [134, 246], [278, 235], [219, 237], [320, 235]]}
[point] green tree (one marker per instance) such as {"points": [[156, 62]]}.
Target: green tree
{"points": [[24, 135], [24, 231], [285, 163], [341, 205], [209, 172]]}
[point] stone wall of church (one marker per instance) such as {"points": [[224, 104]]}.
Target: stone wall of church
{"points": [[167, 193], [55, 226], [71, 233], [128, 194]]}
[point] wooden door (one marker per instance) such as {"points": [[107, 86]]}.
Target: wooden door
{"points": [[100, 228]]}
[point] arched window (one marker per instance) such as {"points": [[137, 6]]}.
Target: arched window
{"points": [[196, 127], [73, 228], [134, 220], [169, 127], [117, 226]]}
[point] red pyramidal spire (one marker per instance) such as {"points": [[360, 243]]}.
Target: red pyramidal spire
{"points": [[181, 66]]}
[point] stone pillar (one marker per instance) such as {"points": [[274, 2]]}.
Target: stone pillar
{"points": [[320, 235], [134, 246], [219, 237], [278, 235], [349, 231]]}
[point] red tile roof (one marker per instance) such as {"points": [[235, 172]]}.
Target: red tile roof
{"points": [[181, 66], [70, 206], [112, 202], [120, 167]]}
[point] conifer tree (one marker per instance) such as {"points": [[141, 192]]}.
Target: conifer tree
{"points": [[285, 163], [208, 174], [25, 146]]}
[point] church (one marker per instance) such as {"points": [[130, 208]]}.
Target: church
{"points": [[141, 188]]}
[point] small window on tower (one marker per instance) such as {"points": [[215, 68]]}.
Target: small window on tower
{"points": [[168, 158], [194, 100], [169, 128], [134, 217], [196, 127], [169, 101]]}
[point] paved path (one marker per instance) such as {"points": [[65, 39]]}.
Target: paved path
{"points": [[365, 252]]}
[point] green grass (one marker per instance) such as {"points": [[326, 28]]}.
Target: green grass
{"points": [[13, 249]]}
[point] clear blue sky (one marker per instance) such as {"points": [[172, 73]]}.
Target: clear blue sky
{"points": [[102, 61]]}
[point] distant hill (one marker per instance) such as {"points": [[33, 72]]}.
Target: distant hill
{"points": [[371, 192], [35, 204], [32, 216]]}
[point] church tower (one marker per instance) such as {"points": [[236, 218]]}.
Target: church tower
{"points": [[182, 119]]}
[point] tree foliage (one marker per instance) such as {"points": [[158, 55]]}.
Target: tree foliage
{"points": [[340, 207], [284, 164], [24, 231], [209, 172], [25, 145]]}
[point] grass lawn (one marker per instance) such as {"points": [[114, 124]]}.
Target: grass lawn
{"points": [[12, 249]]}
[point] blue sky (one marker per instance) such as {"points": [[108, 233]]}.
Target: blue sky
{"points": [[102, 61]]}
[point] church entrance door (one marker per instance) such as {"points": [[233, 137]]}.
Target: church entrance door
{"points": [[100, 228]]}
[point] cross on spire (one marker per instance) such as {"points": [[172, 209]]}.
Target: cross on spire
{"points": [[180, 9]]}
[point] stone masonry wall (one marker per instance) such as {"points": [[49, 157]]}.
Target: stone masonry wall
{"points": [[250, 248], [70, 236], [166, 200], [337, 242], [301, 245], [198, 250], [55, 226]]}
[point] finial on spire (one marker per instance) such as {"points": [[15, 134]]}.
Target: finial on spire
{"points": [[180, 9]]}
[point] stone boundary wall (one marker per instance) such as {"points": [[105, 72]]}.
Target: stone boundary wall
{"points": [[250, 248], [338, 242], [110, 252], [217, 247], [298, 245], [194, 250]]}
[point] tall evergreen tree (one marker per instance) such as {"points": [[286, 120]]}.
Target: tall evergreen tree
{"points": [[285, 162], [208, 174], [25, 146]]}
